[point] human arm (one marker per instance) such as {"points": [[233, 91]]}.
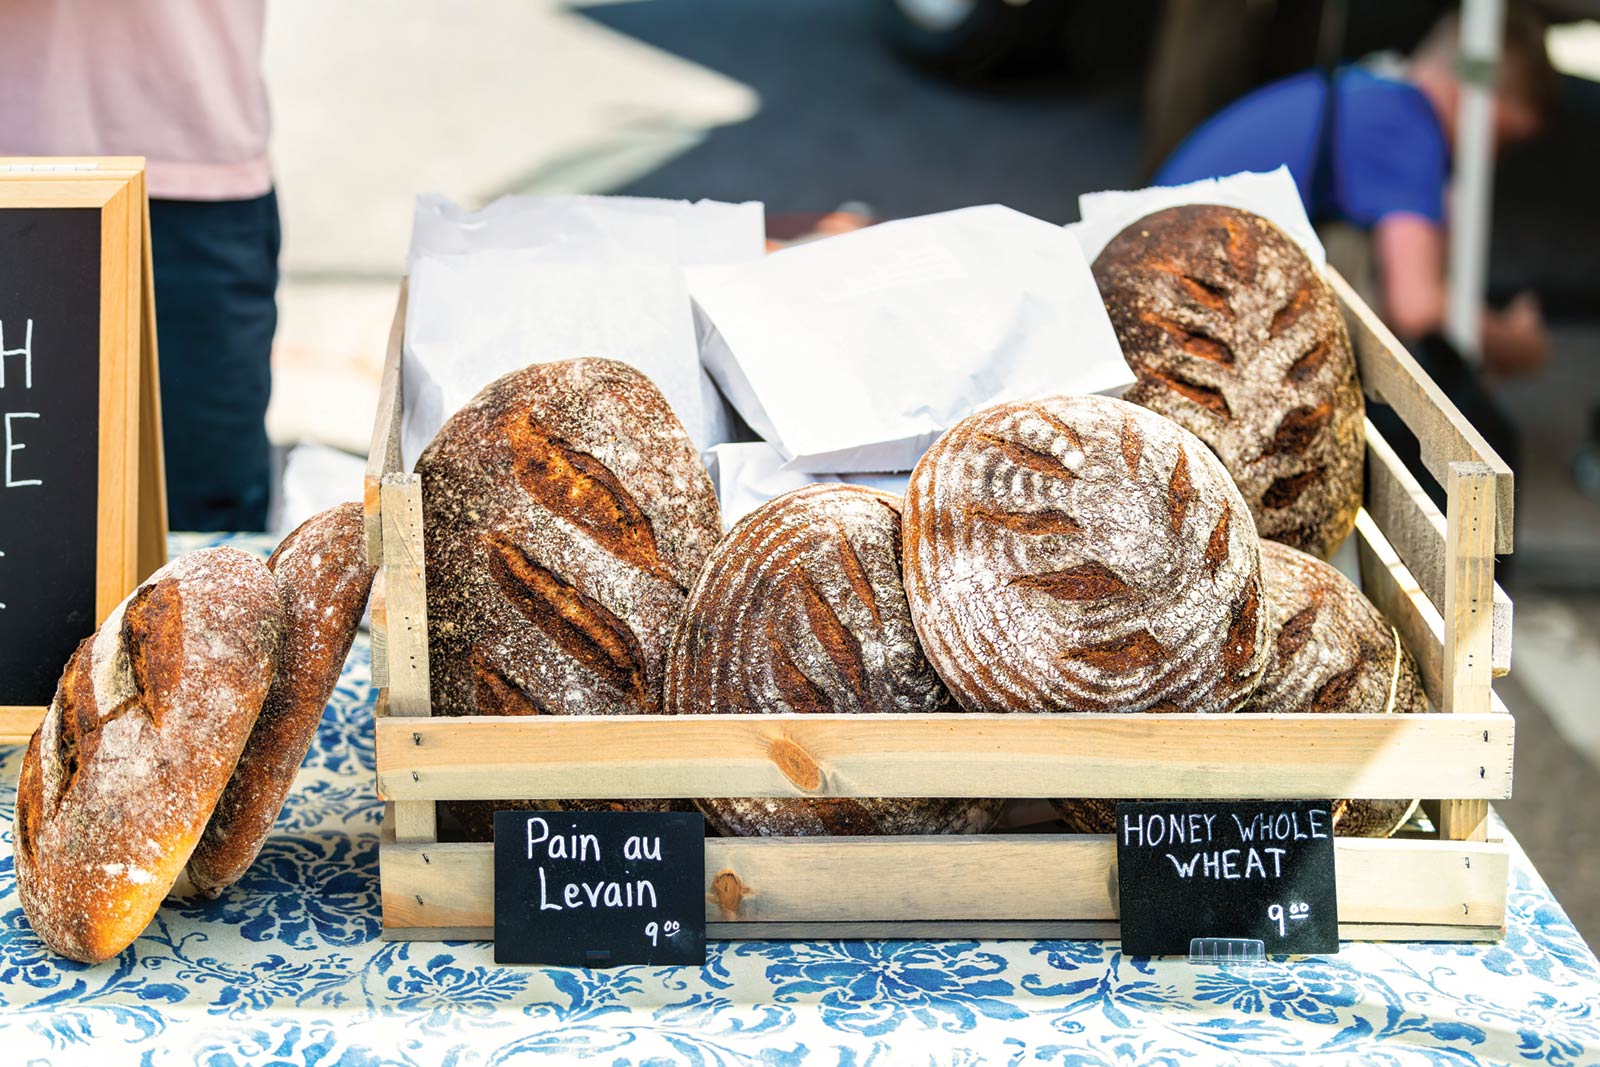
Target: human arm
{"points": [[1411, 254]]}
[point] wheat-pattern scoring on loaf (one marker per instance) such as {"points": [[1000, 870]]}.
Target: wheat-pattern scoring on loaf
{"points": [[1233, 334], [566, 513], [1333, 651], [324, 581], [146, 727], [1079, 553], [801, 609]]}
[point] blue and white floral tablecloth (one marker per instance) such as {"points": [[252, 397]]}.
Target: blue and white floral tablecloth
{"points": [[288, 968]]}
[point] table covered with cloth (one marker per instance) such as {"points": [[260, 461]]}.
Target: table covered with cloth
{"points": [[288, 967]]}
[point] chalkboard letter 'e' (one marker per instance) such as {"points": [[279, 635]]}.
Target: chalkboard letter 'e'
{"points": [[81, 497]]}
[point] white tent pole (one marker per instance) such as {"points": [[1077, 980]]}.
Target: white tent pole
{"points": [[1482, 25]]}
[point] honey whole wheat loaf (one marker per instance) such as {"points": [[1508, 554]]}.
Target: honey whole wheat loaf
{"points": [[147, 724], [801, 609], [324, 581], [566, 514], [1234, 335], [1331, 651], [1079, 553]]}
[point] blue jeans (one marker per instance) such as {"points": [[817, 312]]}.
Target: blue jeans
{"points": [[216, 269]]}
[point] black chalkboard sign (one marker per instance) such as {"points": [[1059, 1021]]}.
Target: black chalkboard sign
{"points": [[1231, 869], [82, 501], [597, 889], [49, 445]]}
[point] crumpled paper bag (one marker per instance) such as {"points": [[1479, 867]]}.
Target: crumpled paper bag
{"points": [[855, 352]]}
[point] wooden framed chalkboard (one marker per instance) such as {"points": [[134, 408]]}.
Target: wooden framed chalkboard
{"points": [[82, 493]]}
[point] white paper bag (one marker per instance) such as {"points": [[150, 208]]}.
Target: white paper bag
{"points": [[748, 474], [472, 318], [854, 353], [1272, 195], [537, 279], [593, 229]]}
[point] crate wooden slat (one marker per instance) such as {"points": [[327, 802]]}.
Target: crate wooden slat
{"points": [[996, 878], [1431, 575], [1197, 756], [1389, 374], [1417, 530]]}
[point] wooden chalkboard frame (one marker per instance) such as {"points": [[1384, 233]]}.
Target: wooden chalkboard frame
{"points": [[131, 523]]}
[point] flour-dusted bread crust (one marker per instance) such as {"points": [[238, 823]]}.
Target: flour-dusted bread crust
{"points": [[1079, 553], [146, 727], [801, 609], [1333, 651], [324, 581], [1234, 334], [566, 513]]}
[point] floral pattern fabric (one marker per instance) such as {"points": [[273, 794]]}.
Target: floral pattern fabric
{"points": [[288, 968]]}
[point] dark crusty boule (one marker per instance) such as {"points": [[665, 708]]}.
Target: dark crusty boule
{"points": [[324, 581], [566, 513], [801, 609], [1332, 650], [1234, 334], [145, 730], [1083, 554]]}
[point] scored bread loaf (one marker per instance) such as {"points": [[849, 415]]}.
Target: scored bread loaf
{"points": [[1079, 553], [1333, 651], [1233, 334], [801, 609], [324, 581], [566, 513], [147, 724]]}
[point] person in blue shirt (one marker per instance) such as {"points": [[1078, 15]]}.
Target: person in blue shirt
{"points": [[1380, 163]]}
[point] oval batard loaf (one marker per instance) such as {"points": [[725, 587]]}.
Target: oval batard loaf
{"points": [[566, 513], [324, 581], [1333, 651], [1233, 334], [1083, 554], [145, 729], [801, 609]]}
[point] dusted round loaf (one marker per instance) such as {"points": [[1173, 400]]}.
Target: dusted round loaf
{"points": [[145, 729], [324, 581], [566, 513], [1234, 335], [1333, 651], [1079, 553], [801, 609]]}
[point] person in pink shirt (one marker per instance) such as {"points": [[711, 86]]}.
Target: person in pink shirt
{"points": [[179, 82]]}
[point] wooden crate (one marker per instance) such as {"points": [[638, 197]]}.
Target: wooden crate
{"points": [[1433, 576]]}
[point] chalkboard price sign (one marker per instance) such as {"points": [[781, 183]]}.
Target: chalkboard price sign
{"points": [[1232, 869], [597, 889], [82, 507]]}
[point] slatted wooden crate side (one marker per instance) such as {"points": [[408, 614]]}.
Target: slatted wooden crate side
{"points": [[1390, 375], [1419, 533]]}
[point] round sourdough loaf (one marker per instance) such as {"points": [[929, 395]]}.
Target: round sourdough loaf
{"points": [[801, 609], [324, 581], [1234, 335], [1079, 553], [145, 729], [1331, 650], [566, 513]]}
